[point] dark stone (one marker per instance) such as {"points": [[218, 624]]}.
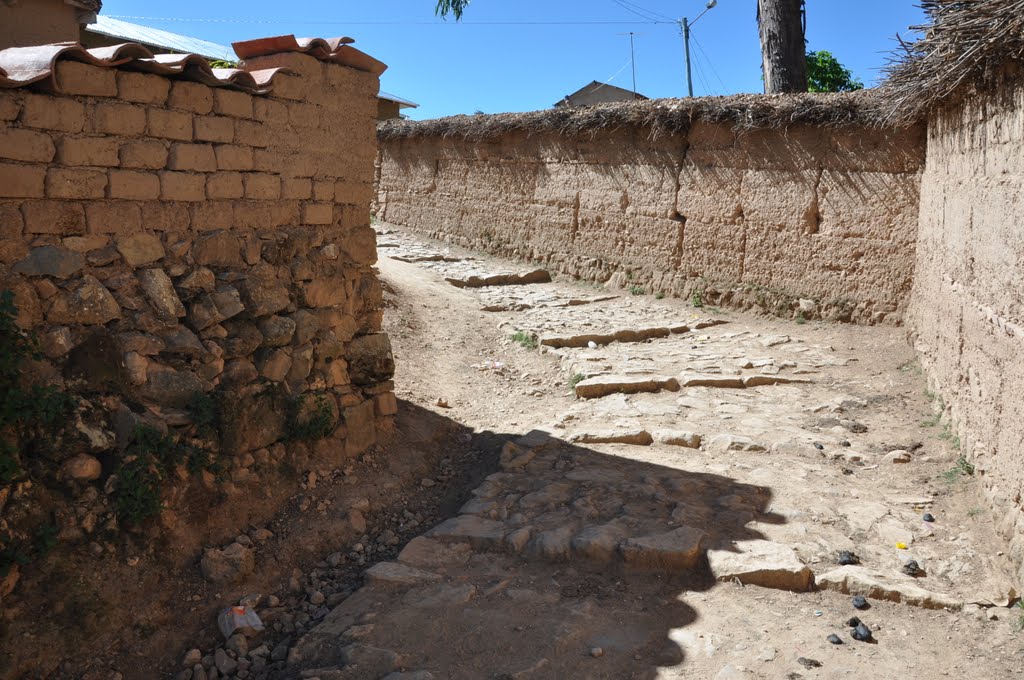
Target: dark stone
{"points": [[928, 517], [172, 388], [835, 639], [97, 365], [53, 261], [253, 421], [818, 446], [862, 633], [846, 557], [861, 602], [808, 663], [370, 360], [912, 568], [853, 622]]}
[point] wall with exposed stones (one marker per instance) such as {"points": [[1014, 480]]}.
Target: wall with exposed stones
{"points": [[761, 218], [967, 309], [165, 239]]}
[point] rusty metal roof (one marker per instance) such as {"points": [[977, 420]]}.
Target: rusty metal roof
{"points": [[22, 66]]}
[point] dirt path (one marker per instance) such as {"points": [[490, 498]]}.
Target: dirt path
{"points": [[677, 489]]}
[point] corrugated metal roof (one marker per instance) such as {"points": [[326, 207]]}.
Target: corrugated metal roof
{"points": [[124, 30], [405, 103]]}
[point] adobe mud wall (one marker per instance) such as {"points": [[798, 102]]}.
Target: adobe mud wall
{"points": [[967, 309], [194, 260], [762, 218]]}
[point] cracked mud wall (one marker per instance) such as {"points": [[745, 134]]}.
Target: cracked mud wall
{"points": [[762, 218], [967, 309]]}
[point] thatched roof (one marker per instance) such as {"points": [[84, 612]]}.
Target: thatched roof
{"points": [[968, 41], [656, 117]]}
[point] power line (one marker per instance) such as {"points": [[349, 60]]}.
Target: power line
{"points": [[639, 11], [287, 22], [710, 64]]}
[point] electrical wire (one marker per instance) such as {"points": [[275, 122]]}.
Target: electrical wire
{"points": [[711, 64], [290, 22], [639, 11]]}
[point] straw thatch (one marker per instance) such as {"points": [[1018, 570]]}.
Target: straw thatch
{"points": [[656, 117], [967, 42]]}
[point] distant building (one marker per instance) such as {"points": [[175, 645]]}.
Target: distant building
{"points": [[106, 31], [599, 93], [389, 106], [42, 22]]}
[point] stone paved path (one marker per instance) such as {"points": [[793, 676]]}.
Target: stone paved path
{"points": [[676, 505]]}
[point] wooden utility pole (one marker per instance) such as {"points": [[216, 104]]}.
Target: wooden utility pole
{"points": [[783, 50]]}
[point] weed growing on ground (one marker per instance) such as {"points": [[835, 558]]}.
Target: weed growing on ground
{"points": [[801, 319], [659, 296], [205, 414], [637, 290], [963, 468], [975, 511], [697, 298], [1020, 621], [525, 339], [318, 423], [26, 410], [576, 379], [914, 366]]}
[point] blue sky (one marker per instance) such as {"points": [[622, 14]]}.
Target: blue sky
{"points": [[521, 55]]}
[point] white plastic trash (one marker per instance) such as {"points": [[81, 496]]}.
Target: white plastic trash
{"points": [[239, 619]]}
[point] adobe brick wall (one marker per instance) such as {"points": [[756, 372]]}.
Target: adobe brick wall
{"points": [[219, 242], [967, 310], [756, 219]]}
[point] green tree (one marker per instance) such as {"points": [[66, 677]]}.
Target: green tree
{"points": [[826, 74], [454, 7]]}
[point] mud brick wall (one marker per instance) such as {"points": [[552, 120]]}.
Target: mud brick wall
{"points": [[762, 218], [165, 239], [967, 308]]}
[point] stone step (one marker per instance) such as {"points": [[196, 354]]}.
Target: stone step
{"points": [[621, 335], [761, 563], [894, 587], [603, 385], [475, 281]]}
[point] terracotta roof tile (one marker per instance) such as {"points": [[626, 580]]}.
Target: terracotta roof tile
{"points": [[22, 66]]}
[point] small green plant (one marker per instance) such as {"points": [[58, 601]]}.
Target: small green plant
{"points": [[576, 379], [914, 366], [800, 318], [312, 424], [963, 468], [525, 339], [697, 298], [205, 414], [629, 276], [223, 63], [149, 461], [659, 296], [637, 290], [23, 411], [975, 511], [1020, 621]]}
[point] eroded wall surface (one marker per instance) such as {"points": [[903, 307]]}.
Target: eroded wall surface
{"points": [[190, 253], [763, 218], [967, 307]]}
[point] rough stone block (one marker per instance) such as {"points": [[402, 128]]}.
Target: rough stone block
{"points": [[232, 157], [96, 151], [75, 183], [318, 213], [12, 224], [113, 217], [115, 118], [361, 426], [191, 97], [53, 113], [761, 563], [148, 154], [164, 216], [218, 249], [140, 248], [212, 215], [370, 359], [22, 181], [214, 129], [252, 133], [142, 88], [75, 78], [58, 217], [225, 185], [296, 188], [169, 124], [677, 549], [134, 185], [182, 186], [192, 157], [262, 186], [17, 144], [231, 103]]}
